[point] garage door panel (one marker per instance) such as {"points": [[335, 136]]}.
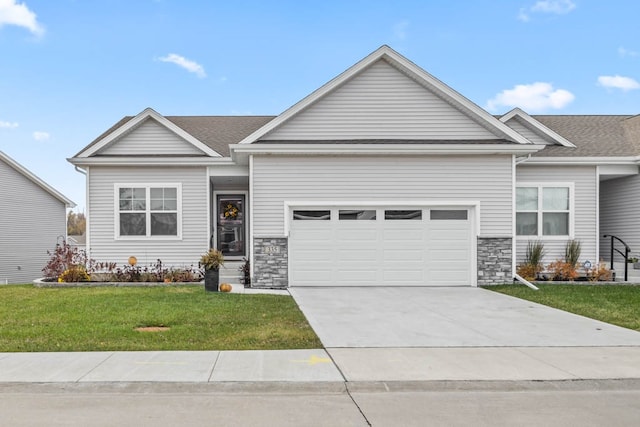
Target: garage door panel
{"points": [[454, 256], [345, 234], [403, 255], [349, 256], [403, 235]]}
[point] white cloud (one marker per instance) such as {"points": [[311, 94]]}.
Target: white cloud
{"points": [[623, 52], [181, 61], [558, 7], [8, 125], [400, 30], [41, 136], [533, 97], [618, 82], [555, 7], [12, 13]]}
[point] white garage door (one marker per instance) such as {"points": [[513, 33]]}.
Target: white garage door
{"points": [[381, 246]]}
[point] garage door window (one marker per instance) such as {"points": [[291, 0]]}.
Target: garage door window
{"points": [[354, 214], [439, 214], [312, 215], [403, 215]]}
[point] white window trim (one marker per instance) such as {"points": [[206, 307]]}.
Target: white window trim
{"points": [[540, 186], [146, 186]]}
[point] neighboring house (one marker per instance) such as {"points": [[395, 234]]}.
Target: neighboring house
{"points": [[33, 218], [78, 242], [383, 176]]}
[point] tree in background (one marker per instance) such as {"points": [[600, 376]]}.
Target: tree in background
{"points": [[76, 223]]}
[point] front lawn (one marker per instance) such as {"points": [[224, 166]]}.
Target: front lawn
{"points": [[615, 304], [98, 319]]}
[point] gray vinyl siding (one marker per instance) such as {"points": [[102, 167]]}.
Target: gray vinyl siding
{"points": [[523, 130], [31, 220], [487, 179], [380, 103], [620, 213], [585, 180], [150, 137], [102, 240]]}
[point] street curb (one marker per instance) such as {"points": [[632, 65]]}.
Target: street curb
{"points": [[319, 387]]}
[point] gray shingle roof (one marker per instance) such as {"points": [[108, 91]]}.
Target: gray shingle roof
{"points": [[220, 131], [594, 136], [217, 132]]}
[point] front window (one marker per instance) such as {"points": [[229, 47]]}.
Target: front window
{"points": [[148, 210], [543, 210]]}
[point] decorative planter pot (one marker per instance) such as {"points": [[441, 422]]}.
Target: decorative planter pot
{"points": [[211, 278]]}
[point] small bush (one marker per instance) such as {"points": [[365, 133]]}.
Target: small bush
{"points": [[76, 273], [527, 271], [572, 252], [562, 270], [600, 273]]}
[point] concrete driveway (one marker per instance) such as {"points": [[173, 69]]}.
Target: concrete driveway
{"points": [[447, 317]]}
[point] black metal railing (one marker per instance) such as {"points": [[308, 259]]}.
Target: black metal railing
{"points": [[625, 254]]}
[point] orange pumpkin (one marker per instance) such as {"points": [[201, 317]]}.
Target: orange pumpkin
{"points": [[225, 287]]}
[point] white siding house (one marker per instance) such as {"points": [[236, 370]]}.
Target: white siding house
{"points": [[33, 218], [382, 176]]}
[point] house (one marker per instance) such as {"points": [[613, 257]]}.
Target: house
{"points": [[383, 176], [33, 219]]}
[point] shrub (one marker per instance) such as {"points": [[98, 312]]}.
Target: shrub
{"points": [[245, 269], [532, 264], [535, 253], [75, 273], [600, 273], [65, 257], [527, 271], [572, 252], [562, 270]]}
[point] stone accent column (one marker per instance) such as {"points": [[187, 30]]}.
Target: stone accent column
{"points": [[270, 263], [494, 260]]}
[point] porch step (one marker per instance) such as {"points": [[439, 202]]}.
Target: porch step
{"points": [[230, 272], [633, 275]]}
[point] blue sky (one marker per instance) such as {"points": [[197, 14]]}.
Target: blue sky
{"points": [[69, 69]]}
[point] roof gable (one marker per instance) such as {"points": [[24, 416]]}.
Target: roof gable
{"points": [[533, 130], [352, 90], [33, 178], [130, 137]]}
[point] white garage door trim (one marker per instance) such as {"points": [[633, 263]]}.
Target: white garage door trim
{"points": [[473, 208]]}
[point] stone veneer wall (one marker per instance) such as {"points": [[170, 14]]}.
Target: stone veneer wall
{"points": [[494, 260], [270, 262]]}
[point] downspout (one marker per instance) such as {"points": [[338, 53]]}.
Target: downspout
{"points": [[86, 202], [517, 277], [522, 159]]}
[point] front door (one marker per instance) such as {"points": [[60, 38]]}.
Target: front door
{"points": [[231, 224]]}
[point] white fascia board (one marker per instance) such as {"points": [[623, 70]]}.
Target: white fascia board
{"points": [[618, 170], [537, 125], [634, 160], [150, 161], [399, 61], [39, 182], [137, 120], [406, 149]]}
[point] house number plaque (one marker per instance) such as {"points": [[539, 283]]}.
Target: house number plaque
{"points": [[272, 249]]}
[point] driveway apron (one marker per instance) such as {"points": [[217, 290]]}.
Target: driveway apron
{"points": [[446, 317]]}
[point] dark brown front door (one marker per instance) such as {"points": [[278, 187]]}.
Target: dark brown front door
{"points": [[231, 224]]}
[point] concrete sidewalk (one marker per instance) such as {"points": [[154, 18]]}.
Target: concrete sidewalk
{"points": [[330, 368]]}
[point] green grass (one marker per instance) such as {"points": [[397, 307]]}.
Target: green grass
{"points": [[615, 304], [97, 319]]}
